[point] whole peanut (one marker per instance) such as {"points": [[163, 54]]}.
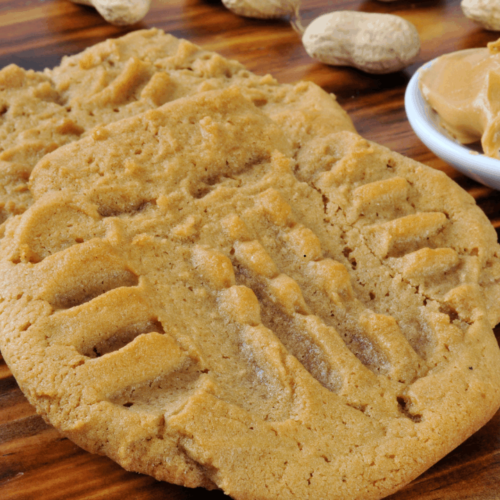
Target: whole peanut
{"points": [[484, 12], [374, 43], [119, 12], [262, 9]]}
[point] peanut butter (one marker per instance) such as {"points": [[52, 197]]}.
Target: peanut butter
{"points": [[464, 89]]}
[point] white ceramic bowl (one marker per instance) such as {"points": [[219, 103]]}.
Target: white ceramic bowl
{"points": [[425, 123]]}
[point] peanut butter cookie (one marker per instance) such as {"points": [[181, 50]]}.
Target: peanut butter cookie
{"points": [[115, 79], [205, 299]]}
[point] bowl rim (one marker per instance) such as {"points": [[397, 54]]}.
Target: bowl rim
{"points": [[434, 137]]}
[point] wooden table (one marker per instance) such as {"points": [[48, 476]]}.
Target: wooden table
{"points": [[36, 462]]}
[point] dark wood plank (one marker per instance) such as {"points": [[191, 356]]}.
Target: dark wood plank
{"points": [[36, 462]]}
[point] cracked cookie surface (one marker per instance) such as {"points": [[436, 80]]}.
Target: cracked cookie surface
{"points": [[204, 299]]}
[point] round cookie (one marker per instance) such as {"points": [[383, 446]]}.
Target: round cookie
{"points": [[201, 299], [120, 78]]}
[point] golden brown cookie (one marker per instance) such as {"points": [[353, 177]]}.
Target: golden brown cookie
{"points": [[115, 79], [204, 300]]}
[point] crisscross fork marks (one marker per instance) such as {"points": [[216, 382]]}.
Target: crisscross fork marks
{"points": [[258, 270], [408, 235], [277, 301]]}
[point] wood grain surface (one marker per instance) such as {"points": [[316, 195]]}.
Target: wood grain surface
{"points": [[36, 462]]}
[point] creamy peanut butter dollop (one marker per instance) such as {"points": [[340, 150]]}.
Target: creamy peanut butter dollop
{"points": [[464, 89]]}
